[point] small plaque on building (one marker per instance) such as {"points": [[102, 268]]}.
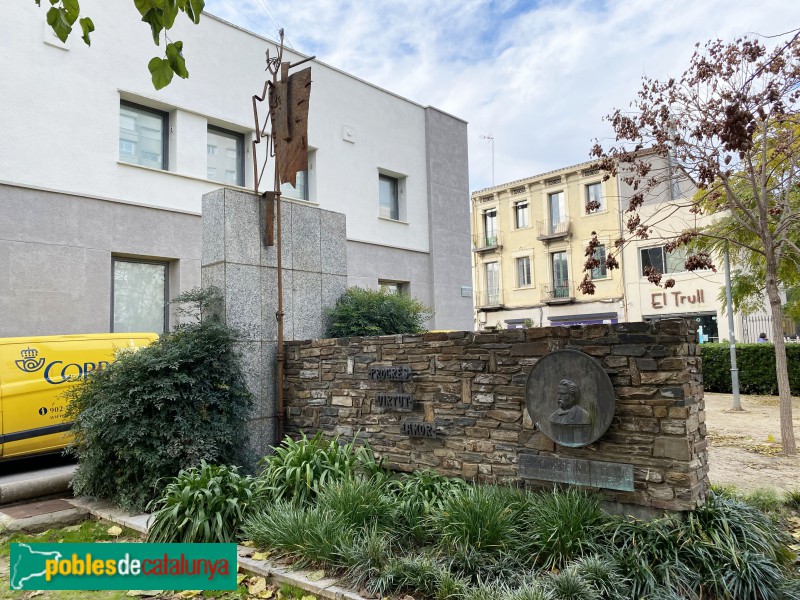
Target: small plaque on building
{"points": [[394, 401], [389, 373], [417, 429], [591, 473]]}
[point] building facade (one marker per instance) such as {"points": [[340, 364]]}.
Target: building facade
{"points": [[529, 243], [101, 176], [529, 240]]}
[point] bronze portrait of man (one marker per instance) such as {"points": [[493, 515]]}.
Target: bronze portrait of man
{"points": [[569, 412]]}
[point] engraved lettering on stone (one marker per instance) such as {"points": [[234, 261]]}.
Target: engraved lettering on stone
{"points": [[415, 429], [390, 373], [395, 401]]}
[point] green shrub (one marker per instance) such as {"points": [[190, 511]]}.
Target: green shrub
{"points": [[478, 530], [365, 556], [418, 494], [160, 409], [562, 526], [298, 470], [569, 585], [361, 312], [792, 499], [204, 504], [756, 363], [359, 503], [306, 534]]}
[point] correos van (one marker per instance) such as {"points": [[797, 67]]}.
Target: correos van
{"points": [[34, 374]]}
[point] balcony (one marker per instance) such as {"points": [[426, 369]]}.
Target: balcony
{"points": [[553, 230], [486, 243], [489, 300], [561, 293]]}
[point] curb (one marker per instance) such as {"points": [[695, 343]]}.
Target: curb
{"points": [[325, 588], [49, 482]]}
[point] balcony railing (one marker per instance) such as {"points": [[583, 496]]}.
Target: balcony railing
{"points": [[559, 293], [485, 243], [550, 230], [489, 298]]}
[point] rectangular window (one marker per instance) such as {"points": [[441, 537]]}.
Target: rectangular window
{"points": [[594, 197], [139, 296], [663, 261], [521, 214], [558, 211], [388, 197], [524, 271], [143, 135], [492, 283], [227, 166], [560, 274], [299, 191], [490, 227], [599, 272], [394, 287]]}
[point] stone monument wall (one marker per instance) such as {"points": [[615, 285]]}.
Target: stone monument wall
{"points": [[236, 261], [456, 402]]}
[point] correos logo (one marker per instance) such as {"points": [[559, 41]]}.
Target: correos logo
{"points": [[56, 371]]}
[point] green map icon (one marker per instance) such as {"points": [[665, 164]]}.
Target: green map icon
{"points": [[27, 565]]}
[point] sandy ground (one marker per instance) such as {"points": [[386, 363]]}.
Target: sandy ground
{"points": [[744, 447]]}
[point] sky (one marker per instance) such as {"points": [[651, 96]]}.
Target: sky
{"points": [[537, 76]]}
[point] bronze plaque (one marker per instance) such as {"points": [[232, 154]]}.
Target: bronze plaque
{"points": [[570, 398], [592, 473]]}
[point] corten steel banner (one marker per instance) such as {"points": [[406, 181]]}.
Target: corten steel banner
{"points": [[288, 100]]}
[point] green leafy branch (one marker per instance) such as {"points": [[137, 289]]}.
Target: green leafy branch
{"points": [[159, 14]]}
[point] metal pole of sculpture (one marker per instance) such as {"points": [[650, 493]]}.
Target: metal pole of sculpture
{"points": [[288, 98]]}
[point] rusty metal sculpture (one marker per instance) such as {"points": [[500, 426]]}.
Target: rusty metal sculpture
{"points": [[288, 99]]}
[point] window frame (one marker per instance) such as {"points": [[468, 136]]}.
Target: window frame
{"points": [[664, 261], [586, 198], [517, 206], [164, 116], [602, 265], [163, 263], [307, 194], [517, 260], [393, 216], [401, 288], [239, 137]]}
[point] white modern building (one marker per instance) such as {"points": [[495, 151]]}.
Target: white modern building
{"points": [[101, 176]]}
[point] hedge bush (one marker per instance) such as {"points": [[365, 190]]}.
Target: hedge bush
{"points": [[376, 312], [160, 409], [756, 363]]}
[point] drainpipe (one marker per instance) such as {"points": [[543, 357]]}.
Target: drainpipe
{"points": [[622, 269]]}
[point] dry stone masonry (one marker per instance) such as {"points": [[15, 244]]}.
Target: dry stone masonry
{"points": [[455, 402]]}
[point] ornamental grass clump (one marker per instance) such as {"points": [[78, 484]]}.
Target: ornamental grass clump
{"points": [[562, 526], [478, 530], [298, 470], [419, 494], [205, 504]]}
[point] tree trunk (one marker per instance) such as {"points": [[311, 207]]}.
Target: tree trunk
{"points": [[781, 368]]}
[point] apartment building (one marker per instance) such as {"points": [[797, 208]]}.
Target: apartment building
{"points": [[528, 250], [101, 176]]}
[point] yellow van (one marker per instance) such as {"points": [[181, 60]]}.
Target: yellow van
{"points": [[34, 374]]}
